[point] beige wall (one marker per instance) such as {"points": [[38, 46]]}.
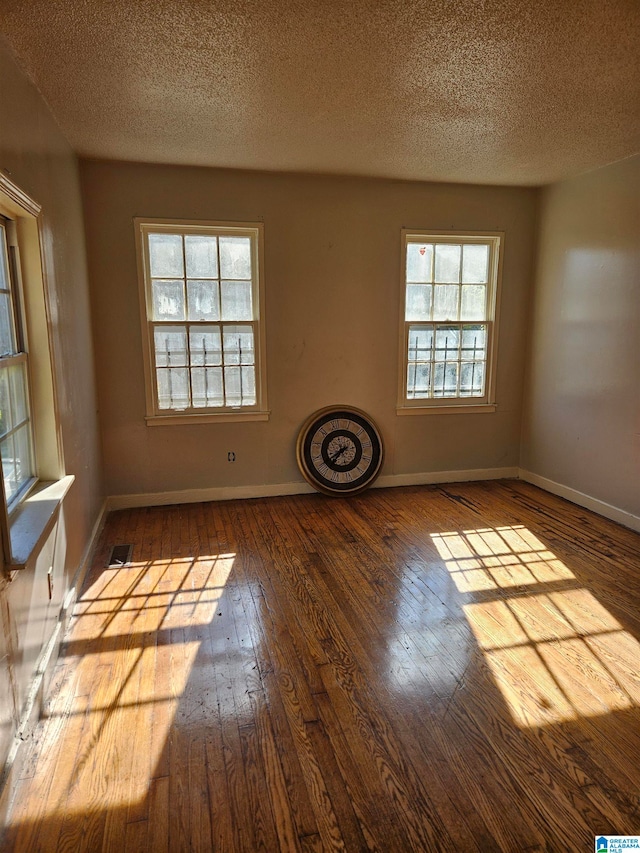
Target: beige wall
{"points": [[332, 266], [37, 158], [582, 422]]}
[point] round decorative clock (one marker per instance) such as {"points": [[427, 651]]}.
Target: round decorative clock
{"points": [[339, 450]]}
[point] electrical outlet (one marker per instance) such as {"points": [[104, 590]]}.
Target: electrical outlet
{"points": [[231, 456]]}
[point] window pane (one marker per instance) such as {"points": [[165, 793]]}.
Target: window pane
{"points": [[475, 264], [7, 337], [447, 343], [445, 302], [473, 303], [418, 302], [420, 342], [22, 446], [445, 380], [238, 345], [201, 253], [235, 257], [173, 388], [205, 345], [236, 300], [6, 413], [418, 380], [171, 346], [206, 387], [240, 386], [232, 385], [168, 300], [203, 299], [419, 259], [8, 467], [448, 263], [4, 280], [478, 383], [248, 386], [473, 342], [165, 255], [472, 379], [19, 402]]}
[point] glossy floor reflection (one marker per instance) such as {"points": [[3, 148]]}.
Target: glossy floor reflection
{"points": [[441, 668], [556, 654]]}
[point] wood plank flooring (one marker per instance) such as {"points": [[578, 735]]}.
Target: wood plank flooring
{"points": [[450, 668]]}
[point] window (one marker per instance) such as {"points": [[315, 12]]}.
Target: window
{"points": [[34, 483], [16, 439], [203, 321], [448, 316]]}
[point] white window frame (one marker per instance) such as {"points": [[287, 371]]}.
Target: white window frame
{"points": [[27, 522], [462, 404], [156, 416], [20, 357]]}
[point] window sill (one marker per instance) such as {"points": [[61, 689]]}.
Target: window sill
{"points": [[34, 519], [473, 409], [209, 418]]}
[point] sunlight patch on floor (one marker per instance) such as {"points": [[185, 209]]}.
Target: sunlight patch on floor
{"points": [[135, 619], [498, 559], [165, 594], [553, 649]]}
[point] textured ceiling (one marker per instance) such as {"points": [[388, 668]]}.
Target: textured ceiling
{"points": [[502, 91]]}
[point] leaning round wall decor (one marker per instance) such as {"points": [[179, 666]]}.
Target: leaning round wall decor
{"points": [[339, 450]]}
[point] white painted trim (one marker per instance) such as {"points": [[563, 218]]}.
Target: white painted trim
{"points": [[33, 521], [494, 285], [85, 562], [220, 493], [229, 493], [184, 227], [20, 200], [621, 516], [221, 418], [434, 477]]}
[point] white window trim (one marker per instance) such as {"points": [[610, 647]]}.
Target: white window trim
{"points": [[25, 528], [163, 417], [453, 405], [21, 356]]}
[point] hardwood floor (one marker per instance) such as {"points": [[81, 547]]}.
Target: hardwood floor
{"points": [[448, 668]]}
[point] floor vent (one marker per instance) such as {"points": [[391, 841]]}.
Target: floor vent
{"points": [[120, 556]]}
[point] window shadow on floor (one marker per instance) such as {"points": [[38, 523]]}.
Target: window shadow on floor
{"points": [[408, 669]]}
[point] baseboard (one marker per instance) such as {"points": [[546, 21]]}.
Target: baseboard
{"points": [[434, 477], [607, 510], [230, 493], [85, 563], [220, 493]]}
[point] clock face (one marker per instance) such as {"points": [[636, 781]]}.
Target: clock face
{"points": [[339, 450]]}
